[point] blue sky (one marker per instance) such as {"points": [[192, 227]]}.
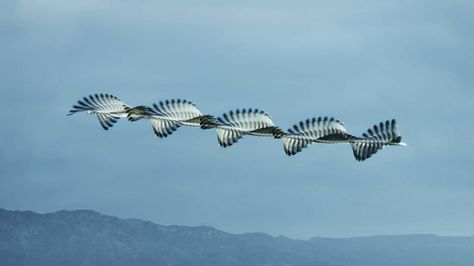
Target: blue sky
{"points": [[360, 61]]}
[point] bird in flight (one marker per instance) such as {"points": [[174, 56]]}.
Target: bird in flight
{"points": [[332, 131], [108, 108], [168, 115], [233, 125]]}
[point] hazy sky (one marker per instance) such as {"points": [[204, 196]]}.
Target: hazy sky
{"points": [[360, 61]]}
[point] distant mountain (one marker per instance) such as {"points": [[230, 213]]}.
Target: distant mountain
{"points": [[88, 238]]}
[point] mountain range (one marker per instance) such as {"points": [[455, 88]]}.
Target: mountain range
{"points": [[84, 237]]}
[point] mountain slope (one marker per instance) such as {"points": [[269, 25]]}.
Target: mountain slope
{"points": [[89, 238]]}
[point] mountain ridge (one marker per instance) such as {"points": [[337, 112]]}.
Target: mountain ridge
{"points": [[85, 237]]}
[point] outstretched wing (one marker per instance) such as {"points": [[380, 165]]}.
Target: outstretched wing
{"points": [[364, 150], [320, 129], [293, 145], [226, 136], [384, 132], [231, 126], [177, 110], [317, 128], [246, 119], [167, 116], [163, 128], [107, 107], [376, 137], [182, 111]]}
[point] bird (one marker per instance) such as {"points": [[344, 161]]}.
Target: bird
{"points": [[332, 131], [233, 125], [375, 139], [314, 130], [168, 115], [107, 107]]}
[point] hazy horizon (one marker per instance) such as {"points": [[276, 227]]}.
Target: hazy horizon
{"points": [[251, 232], [361, 62]]}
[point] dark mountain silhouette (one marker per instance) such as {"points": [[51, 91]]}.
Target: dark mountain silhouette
{"points": [[88, 238]]}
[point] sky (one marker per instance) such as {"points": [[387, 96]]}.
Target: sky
{"points": [[360, 61]]}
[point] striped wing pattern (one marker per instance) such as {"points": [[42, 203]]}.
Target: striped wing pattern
{"points": [[167, 116], [364, 150], [179, 110], [226, 137], [294, 145], [377, 137], [231, 126], [320, 129], [108, 108], [163, 128]]}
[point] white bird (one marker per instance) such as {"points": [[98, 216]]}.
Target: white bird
{"points": [[375, 139], [167, 116], [108, 108], [233, 125], [332, 131], [315, 130]]}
